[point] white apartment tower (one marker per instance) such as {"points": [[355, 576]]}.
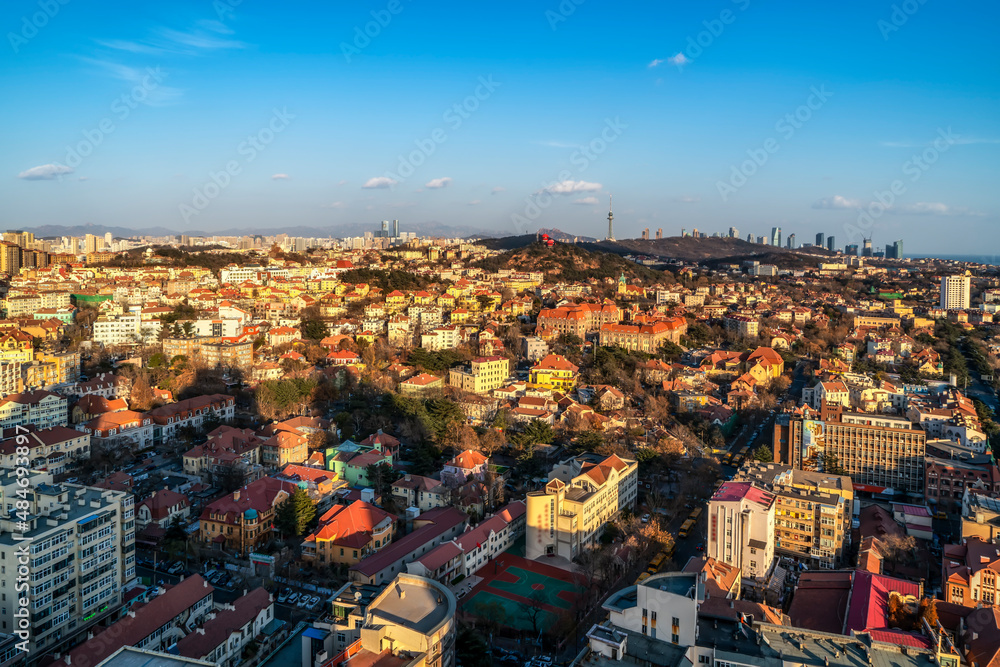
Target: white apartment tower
{"points": [[80, 546], [955, 292], [741, 529]]}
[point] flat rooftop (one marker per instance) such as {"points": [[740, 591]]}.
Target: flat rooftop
{"points": [[414, 602]]}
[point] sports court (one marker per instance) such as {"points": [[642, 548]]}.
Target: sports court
{"points": [[516, 584]]}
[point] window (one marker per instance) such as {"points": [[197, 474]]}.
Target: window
{"points": [[675, 639]]}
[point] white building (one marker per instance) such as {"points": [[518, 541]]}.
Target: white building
{"points": [[741, 529], [81, 556], [955, 292], [581, 496], [123, 329]]}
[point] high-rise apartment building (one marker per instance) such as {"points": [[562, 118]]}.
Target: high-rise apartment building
{"points": [[10, 258], [813, 511], [90, 243], [80, 546], [741, 528], [955, 292], [734, 233]]}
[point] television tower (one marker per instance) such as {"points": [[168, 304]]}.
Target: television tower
{"points": [[611, 221]]}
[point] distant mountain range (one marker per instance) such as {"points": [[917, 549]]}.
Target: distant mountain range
{"points": [[337, 231]]}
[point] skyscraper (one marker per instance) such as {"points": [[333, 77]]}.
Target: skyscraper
{"points": [[659, 232], [831, 243], [820, 238], [734, 233], [867, 250], [776, 236], [955, 292], [750, 237], [851, 250], [791, 241], [395, 229], [645, 234], [89, 243]]}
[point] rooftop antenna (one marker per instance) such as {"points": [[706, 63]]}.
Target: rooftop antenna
{"points": [[611, 220]]}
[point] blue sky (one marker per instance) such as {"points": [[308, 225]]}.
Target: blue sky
{"points": [[683, 110]]}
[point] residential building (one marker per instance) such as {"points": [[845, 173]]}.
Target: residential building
{"points": [[482, 376], [162, 508], [243, 520], [53, 449], [464, 467], [40, 408], [123, 329], [230, 629], [347, 534], [533, 348], [969, 573], [81, 556], [955, 291], [813, 511], [412, 618], [741, 525], [154, 626], [742, 325], [420, 384], [430, 529], [192, 412], [554, 372], [582, 495], [424, 493]]}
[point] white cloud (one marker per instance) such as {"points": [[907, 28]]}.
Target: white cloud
{"points": [[204, 36], [436, 183], [148, 80], [838, 202], [497, 190], [655, 63], [83, 178], [571, 187], [379, 183], [680, 60], [586, 201], [45, 172], [279, 177], [475, 202]]}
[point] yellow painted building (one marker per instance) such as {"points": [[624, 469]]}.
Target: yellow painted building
{"points": [[554, 372]]}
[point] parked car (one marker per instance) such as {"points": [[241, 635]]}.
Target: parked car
{"points": [[645, 518], [175, 568], [303, 601], [293, 598], [283, 595]]}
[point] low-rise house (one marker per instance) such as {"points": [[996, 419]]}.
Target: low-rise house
{"points": [[243, 520], [467, 465], [227, 632], [162, 508], [347, 534], [424, 493]]}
